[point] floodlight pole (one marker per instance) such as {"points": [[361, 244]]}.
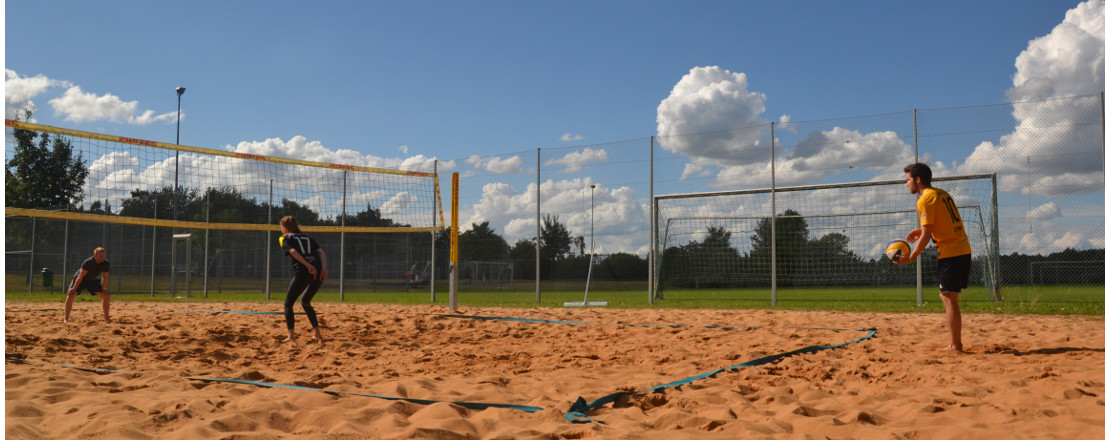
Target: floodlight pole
{"points": [[176, 153]]}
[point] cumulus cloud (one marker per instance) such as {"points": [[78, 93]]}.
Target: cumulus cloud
{"points": [[699, 117], [713, 119], [1068, 61], [78, 106], [497, 164], [300, 148], [19, 91], [567, 137], [620, 218], [114, 175], [1044, 212], [573, 162], [1047, 154]]}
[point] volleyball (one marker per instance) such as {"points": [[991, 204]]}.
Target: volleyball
{"points": [[897, 249]]}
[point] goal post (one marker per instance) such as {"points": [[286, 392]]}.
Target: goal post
{"points": [[825, 236], [372, 221]]}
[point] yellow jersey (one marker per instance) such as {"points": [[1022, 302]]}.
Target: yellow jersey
{"points": [[935, 207]]}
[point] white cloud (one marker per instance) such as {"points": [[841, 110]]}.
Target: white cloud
{"points": [[497, 164], [573, 162], [567, 137], [703, 110], [114, 175], [1047, 154], [1068, 61], [620, 219], [1046, 211], [19, 91], [398, 204], [78, 106], [299, 147]]}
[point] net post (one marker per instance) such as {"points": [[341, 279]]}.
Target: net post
{"points": [[343, 238], [453, 273], [432, 277]]}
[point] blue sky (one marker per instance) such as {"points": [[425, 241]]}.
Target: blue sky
{"points": [[451, 79], [401, 82]]}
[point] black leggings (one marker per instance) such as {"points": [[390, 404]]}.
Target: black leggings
{"points": [[302, 282]]}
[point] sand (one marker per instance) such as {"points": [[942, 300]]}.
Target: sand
{"points": [[1022, 376]]}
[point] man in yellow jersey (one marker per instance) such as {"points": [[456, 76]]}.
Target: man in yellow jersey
{"points": [[940, 221]]}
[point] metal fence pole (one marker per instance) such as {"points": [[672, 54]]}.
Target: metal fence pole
{"points": [[537, 226], [653, 232], [343, 238], [153, 248], [774, 219], [207, 219], [31, 263]]}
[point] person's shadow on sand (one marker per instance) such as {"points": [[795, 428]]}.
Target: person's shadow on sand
{"points": [[1053, 350]]}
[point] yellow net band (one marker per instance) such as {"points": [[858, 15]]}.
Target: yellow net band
{"points": [[209, 151], [100, 218]]}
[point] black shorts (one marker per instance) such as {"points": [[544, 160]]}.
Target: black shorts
{"points": [[953, 272], [92, 286]]}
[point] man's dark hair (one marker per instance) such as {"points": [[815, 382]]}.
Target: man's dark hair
{"points": [[920, 170]]}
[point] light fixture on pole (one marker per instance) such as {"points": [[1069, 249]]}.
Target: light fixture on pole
{"points": [[176, 154]]}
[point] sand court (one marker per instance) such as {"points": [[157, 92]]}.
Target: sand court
{"points": [[140, 376]]}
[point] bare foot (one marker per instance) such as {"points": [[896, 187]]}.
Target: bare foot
{"points": [[293, 340], [953, 348]]}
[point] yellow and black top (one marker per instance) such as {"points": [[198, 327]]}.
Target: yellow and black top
{"points": [[935, 207]]}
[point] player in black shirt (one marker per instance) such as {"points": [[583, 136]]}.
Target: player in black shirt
{"points": [[88, 277], [310, 268]]}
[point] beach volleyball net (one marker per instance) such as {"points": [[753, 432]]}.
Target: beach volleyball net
{"points": [[830, 237], [168, 211]]}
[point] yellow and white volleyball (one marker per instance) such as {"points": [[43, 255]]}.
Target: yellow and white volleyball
{"points": [[897, 249]]}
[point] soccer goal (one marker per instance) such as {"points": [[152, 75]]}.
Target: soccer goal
{"points": [[137, 195], [823, 236]]}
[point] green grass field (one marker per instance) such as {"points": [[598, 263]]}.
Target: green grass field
{"points": [[1052, 300]]}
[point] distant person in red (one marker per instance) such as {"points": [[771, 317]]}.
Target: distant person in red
{"points": [[92, 276], [310, 268]]}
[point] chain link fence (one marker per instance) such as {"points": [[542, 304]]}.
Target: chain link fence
{"points": [[1047, 156]]}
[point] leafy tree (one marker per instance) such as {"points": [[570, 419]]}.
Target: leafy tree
{"points": [[481, 243], [706, 263], [792, 238], [523, 255], [622, 267], [555, 245], [143, 203], [43, 174], [303, 214]]}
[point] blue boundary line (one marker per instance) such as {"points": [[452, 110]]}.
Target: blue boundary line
{"points": [[577, 411]]}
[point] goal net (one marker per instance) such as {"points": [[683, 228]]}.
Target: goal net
{"points": [[824, 236], [137, 195]]}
